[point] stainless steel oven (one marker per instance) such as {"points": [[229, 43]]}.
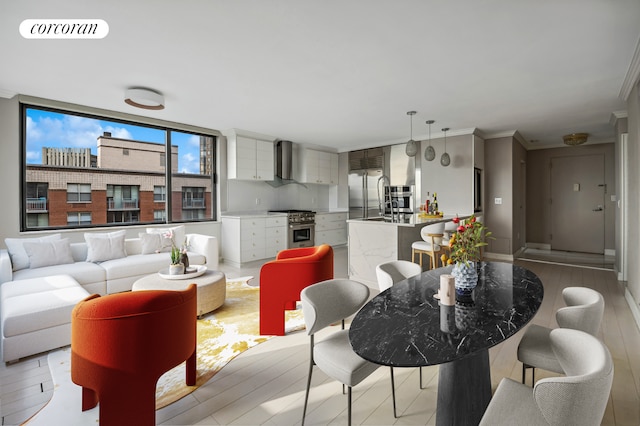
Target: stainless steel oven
{"points": [[301, 227]]}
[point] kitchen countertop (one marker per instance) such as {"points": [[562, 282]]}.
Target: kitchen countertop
{"points": [[265, 213], [240, 215], [410, 220]]}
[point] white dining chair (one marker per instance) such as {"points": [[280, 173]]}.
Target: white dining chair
{"points": [[388, 274], [577, 399], [430, 244], [584, 311], [324, 304]]}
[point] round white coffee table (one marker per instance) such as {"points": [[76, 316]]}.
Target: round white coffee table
{"points": [[212, 288]]}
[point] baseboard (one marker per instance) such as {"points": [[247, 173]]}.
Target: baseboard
{"points": [[633, 305], [519, 252], [498, 256], [540, 246]]}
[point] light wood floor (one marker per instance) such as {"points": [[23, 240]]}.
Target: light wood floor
{"points": [[265, 385]]}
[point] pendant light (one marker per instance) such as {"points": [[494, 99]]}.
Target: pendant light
{"points": [[445, 160], [412, 147], [429, 152]]}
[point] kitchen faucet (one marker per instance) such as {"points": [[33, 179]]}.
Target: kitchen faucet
{"points": [[380, 201]]}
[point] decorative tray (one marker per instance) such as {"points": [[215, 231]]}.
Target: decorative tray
{"points": [[430, 216], [191, 272]]}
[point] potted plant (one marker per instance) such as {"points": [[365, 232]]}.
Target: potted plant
{"points": [[176, 267], [465, 250]]}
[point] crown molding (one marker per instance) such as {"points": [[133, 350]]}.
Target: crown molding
{"points": [[617, 115], [7, 94], [632, 75]]}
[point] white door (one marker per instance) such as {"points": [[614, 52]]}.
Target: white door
{"points": [[577, 203]]}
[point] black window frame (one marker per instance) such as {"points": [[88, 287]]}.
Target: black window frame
{"points": [[24, 107]]}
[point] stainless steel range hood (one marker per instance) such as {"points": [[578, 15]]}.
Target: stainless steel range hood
{"points": [[283, 164]]}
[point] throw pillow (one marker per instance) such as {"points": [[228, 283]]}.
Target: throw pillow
{"points": [[105, 246], [15, 247], [48, 253], [151, 243], [174, 235]]}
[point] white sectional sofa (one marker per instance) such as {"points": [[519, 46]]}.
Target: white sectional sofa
{"points": [[33, 272]]}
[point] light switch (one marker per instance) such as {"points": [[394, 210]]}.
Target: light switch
{"points": [[576, 187], [498, 201]]}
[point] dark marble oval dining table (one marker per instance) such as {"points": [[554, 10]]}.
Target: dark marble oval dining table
{"points": [[405, 326]]}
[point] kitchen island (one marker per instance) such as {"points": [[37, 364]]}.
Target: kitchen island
{"points": [[376, 240]]}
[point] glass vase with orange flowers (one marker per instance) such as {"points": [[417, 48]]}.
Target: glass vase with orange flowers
{"points": [[465, 247]]}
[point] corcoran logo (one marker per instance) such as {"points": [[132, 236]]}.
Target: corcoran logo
{"points": [[64, 28]]}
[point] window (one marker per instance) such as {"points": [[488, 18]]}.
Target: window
{"points": [[192, 181], [37, 193], [192, 198], [120, 169], [78, 192], [159, 215], [122, 197], [80, 218], [159, 193]]}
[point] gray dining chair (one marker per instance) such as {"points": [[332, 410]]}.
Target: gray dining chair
{"points": [[584, 311], [389, 273], [324, 304], [579, 398]]}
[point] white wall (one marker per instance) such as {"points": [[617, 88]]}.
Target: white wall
{"points": [[453, 184]]}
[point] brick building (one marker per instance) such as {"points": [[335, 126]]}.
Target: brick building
{"points": [[124, 183]]}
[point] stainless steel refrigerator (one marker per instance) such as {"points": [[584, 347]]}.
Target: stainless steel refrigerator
{"points": [[370, 170]]}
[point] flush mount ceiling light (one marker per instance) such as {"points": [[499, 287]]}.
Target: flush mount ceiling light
{"points": [[429, 152], [412, 147], [445, 160], [575, 138], [144, 98]]}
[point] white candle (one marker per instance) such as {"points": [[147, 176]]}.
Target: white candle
{"points": [[447, 290]]}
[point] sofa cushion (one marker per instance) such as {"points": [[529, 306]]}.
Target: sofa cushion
{"points": [[82, 272], [47, 253], [171, 236], [39, 303], [143, 264], [105, 246], [15, 247], [151, 243]]}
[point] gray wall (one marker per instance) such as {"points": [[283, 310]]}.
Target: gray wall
{"points": [[633, 111], [498, 178], [539, 190]]}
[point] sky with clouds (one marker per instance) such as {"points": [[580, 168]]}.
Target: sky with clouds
{"points": [[57, 130]]}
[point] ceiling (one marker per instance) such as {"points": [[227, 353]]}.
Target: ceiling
{"points": [[341, 73]]}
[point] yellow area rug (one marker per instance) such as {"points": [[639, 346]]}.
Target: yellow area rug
{"points": [[222, 335]]}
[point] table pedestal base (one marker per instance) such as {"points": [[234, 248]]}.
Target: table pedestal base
{"points": [[464, 390]]}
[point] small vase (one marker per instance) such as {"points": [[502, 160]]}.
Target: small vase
{"points": [[176, 269], [466, 278], [184, 259]]}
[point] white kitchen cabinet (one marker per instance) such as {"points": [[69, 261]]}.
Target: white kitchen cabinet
{"points": [[276, 235], [249, 158], [317, 167], [331, 228], [249, 238]]}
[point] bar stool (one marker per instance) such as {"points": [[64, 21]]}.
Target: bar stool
{"points": [[430, 245], [449, 229]]}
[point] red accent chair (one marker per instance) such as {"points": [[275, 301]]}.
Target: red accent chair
{"points": [[282, 280], [122, 343]]}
